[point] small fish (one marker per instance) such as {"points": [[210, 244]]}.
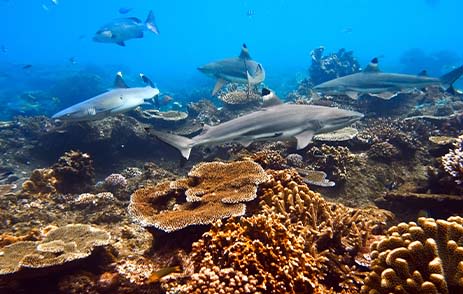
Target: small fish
{"points": [[250, 13], [120, 30], [125, 10], [156, 276], [166, 99], [27, 66]]}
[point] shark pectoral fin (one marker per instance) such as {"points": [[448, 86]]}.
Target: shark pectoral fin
{"points": [[304, 138], [121, 43], [219, 84], [245, 142], [385, 95], [185, 152], [352, 94]]}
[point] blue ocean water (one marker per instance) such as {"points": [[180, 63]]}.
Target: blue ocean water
{"points": [[44, 43]]}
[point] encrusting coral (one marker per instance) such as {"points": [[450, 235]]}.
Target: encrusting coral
{"points": [[423, 257], [212, 191], [60, 245]]}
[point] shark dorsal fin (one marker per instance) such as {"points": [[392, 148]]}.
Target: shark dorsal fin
{"points": [[119, 82], [245, 52], [269, 98], [147, 81], [423, 73], [373, 66]]}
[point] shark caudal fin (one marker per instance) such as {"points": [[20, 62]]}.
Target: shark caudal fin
{"points": [[448, 79], [151, 24], [183, 144]]}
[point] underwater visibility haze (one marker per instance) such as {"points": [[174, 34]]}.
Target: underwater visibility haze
{"points": [[231, 146]]}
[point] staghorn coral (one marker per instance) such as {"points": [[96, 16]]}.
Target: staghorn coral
{"points": [[453, 161], [423, 257], [212, 191], [338, 233], [60, 245]]}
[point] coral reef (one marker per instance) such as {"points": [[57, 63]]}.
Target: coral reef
{"points": [[240, 98], [298, 243], [212, 191], [60, 245], [453, 161], [72, 173], [334, 65], [423, 257], [333, 160]]}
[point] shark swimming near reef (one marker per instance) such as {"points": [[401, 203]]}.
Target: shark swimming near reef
{"points": [[277, 122], [118, 100], [384, 85], [241, 69]]}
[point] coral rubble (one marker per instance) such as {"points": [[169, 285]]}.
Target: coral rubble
{"points": [[423, 257]]}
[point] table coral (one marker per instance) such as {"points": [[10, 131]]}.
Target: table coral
{"points": [[60, 245], [212, 191], [423, 257]]}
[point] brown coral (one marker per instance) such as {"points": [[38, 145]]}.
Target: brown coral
{"points": [[423, 257], [61, 245], [332, 160], [41, 183], [212, 191], [74, 172], [240, 97]]}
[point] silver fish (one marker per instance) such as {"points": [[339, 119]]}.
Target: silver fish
{"points": [[120, 30], [274, 123], [241, 69], [384, 85], [118, 100]]}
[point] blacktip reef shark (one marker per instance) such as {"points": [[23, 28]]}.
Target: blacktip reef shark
{"points": [[241, 69], [277, 122], [118, 100], [384, 85]]}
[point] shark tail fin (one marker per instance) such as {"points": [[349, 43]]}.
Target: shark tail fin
{"points": [[183, 144], [448, 79], [151, 24]]}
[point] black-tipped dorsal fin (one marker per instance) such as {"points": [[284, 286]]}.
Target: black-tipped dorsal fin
{"points": [[245, 52], [423, 73], [373, 66], [119, 82], [147, 81]]}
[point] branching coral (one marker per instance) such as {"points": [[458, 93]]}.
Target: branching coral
{"points": [[423, 257], [453, 161], [212, 191], [61, 245]]}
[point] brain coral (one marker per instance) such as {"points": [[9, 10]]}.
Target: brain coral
{"points": [[423, 257]]}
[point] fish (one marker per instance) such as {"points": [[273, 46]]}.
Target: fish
{"points": [[72, 60], [27, 66], [241, 69], [278, 122], [120, 30], [384, 85], [156, 276], [166, 99], [118, 100], [250, 13], [125, 10]]}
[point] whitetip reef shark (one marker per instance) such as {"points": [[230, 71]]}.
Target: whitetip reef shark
{"points": [[277, 122], [241, 69], [384, 85], [118, 100]]}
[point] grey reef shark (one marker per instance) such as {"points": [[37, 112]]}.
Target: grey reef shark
{"points": [[241, 69], [118, 100], [273, 123], [384, 85]]}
